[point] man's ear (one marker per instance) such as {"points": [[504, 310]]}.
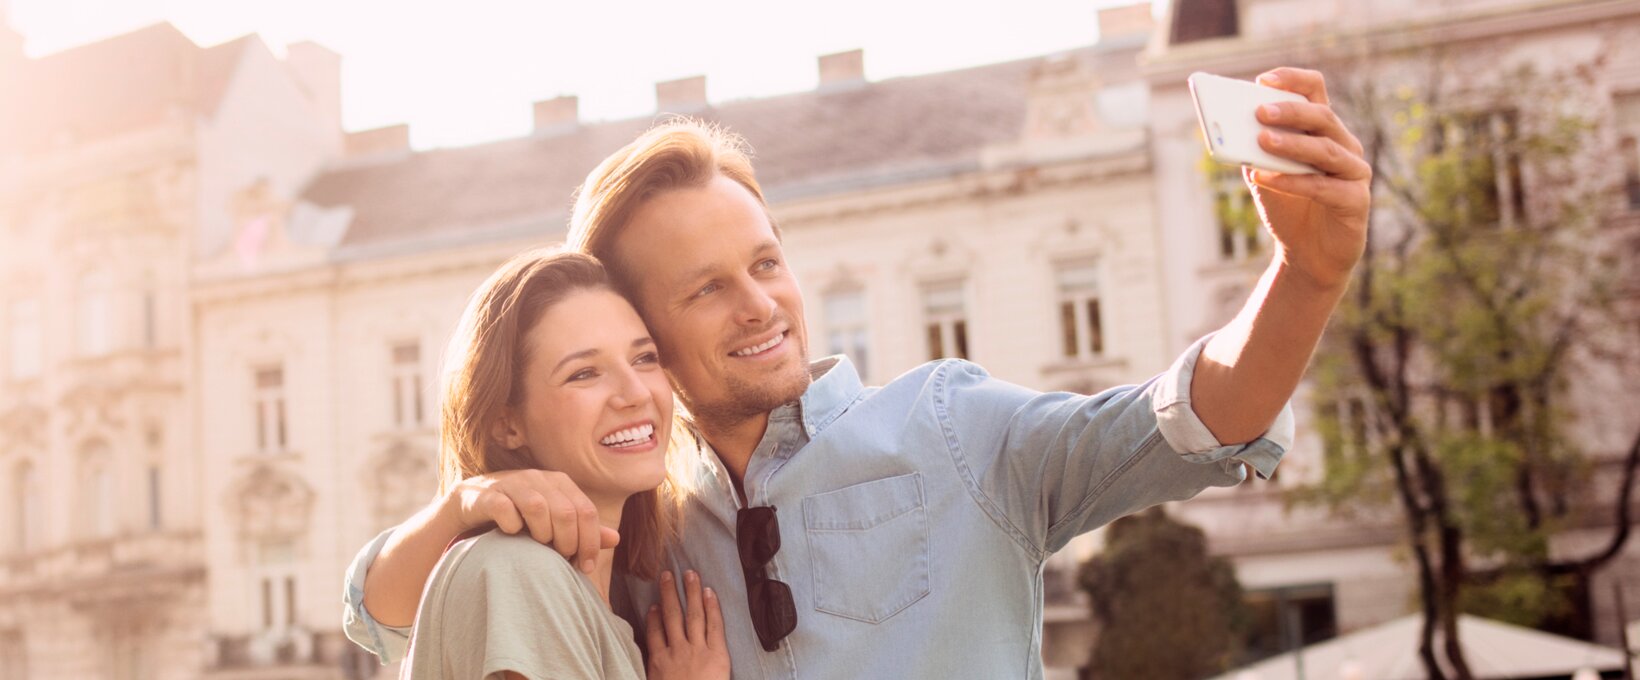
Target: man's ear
{"points": [[505, 430]]}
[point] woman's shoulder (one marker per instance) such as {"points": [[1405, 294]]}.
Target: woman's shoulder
{"points": [[496, 560]]}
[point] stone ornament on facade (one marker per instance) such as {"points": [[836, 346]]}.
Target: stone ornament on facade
{"points": [[270, 504]]}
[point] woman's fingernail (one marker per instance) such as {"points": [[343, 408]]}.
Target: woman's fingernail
{"points": [[710, 595], [1272, 138], [690, 576], [1271, 111], [666, 576]]}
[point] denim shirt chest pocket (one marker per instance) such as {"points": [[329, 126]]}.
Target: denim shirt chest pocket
{"points": [[868, 547]]}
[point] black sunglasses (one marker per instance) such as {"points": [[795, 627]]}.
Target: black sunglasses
{"points": [[774, 614]]}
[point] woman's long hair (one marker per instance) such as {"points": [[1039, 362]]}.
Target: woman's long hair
{"points": [[484, 374]]}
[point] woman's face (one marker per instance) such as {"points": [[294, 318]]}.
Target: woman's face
{"points": [[596, 404]]}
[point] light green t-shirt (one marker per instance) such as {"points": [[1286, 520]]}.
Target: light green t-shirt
{"points": [[506, 603]]}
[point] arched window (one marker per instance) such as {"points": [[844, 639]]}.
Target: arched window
{"points": [[93, 327], [96, 478], [25, 514]]}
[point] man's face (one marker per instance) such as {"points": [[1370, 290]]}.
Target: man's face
{"points": [[713, 285]]}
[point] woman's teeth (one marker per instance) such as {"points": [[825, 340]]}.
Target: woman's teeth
{"points": [[629, 436], [754, 349]]}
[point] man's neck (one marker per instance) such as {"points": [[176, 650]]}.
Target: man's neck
{"points": [[734, 441]]}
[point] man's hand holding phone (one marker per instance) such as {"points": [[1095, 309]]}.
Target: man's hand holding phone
{"points": [[1319, 220]]}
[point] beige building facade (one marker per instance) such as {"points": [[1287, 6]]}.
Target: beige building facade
{"points": [[223, 317]]}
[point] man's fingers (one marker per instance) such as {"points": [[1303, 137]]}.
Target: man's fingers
{"points": [[565, 523], [695, 615], [1316, 119], [1303, 81], [652, 630], [671, 613], [714, 621], [589, 534], [1324, 154], [501, 510], [1329, 191], [608, 538]]}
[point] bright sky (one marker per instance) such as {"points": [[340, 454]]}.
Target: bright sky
{"points": [[466, 73]]}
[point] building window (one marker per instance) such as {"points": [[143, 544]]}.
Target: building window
{"points": [[25, 339], [1240, 232], [25, 516], [1284, 619], [407, 391], [270, 409], [150, 327], [945, 321], [93, 330], [1081, 320], [1203, 20], [1491, 148], [846, 327], [97, 502], [1626, 111], [154, 513], [276, 583]]}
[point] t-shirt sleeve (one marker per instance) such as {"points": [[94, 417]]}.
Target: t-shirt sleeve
{"points": [[504, 606]]}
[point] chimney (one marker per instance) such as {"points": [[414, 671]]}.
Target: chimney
{"points": [[842, 69], [382, 140], [319, 71], [557, 115], [1125, 22], [681, 96]]}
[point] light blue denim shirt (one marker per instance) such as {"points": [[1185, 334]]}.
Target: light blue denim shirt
{"points": [[915, 517]]}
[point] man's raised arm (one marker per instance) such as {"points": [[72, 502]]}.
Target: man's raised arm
{"points": [[1249, 369]]}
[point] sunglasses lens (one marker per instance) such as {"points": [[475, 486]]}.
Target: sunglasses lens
{"points": [[757, 534], [774, 613]]}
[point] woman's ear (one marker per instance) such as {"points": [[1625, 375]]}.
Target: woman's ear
{"points": [[505, 430]]}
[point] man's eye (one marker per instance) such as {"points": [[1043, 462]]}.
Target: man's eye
{"points": [[707, 289], [768, 264]]}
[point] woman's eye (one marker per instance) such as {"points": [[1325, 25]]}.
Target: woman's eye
{"points": [[647, 358], [583, 374]]}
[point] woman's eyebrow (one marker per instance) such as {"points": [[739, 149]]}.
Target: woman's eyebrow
{"points": [[583, 354]]}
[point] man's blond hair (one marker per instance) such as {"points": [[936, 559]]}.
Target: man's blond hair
{"points": [[678, 154]]}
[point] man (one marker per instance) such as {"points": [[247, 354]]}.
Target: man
{"points": [[897, 531]]}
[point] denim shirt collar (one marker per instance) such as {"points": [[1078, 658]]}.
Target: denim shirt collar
{"points": [[836, 386]]}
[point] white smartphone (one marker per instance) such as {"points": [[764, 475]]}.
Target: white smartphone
{"points": [[1225, 109]]}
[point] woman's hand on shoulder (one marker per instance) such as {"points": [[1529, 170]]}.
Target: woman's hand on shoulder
{"points": [[687, 646], [546, 503]]}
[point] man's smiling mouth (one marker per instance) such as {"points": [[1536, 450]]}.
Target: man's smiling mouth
{"points": [[759, 348]]}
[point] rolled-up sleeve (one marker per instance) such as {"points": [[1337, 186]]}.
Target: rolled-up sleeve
{"points": [[388, 643], [1186, 433], [1050, 466]]}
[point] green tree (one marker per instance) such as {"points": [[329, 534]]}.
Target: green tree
{"points": [[1491, 292], [1165, 608]]}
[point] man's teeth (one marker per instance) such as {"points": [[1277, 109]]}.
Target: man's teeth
{"points": [[754, 349], [629, 436]]}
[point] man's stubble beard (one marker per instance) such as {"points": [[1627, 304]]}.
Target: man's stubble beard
{"points": [[746, 399]]}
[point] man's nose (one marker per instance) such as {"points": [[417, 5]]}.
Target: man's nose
{"points": [[754, 305]]}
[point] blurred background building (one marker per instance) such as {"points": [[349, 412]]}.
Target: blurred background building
{"points": [[221, 316]]}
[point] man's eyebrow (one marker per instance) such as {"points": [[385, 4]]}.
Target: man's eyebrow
{"points": [[587, 353], [705, 270]]}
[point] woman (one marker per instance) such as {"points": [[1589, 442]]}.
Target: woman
{"points": [[550, 369]]}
